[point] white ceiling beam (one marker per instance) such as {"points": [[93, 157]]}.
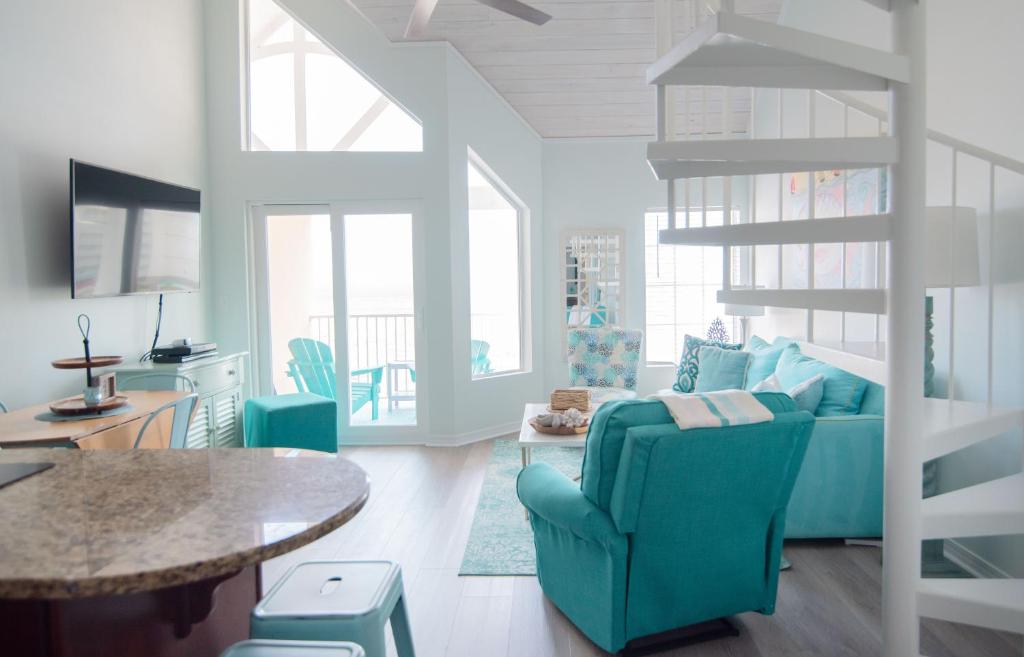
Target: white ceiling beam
{"points": [[363, 124], [422, 10]]}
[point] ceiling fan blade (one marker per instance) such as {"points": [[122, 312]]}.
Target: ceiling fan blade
{"points": [[420, 16], [519, 10]]}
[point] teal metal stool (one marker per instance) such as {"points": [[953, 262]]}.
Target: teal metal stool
{"points": [[301, 420], [334, 601], [267, 648]]}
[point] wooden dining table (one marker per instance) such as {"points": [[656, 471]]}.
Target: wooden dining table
{"points": [[155, 553], [22, 428]]}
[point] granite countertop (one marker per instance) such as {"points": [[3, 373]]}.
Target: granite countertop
{"points": [[110, 522]]}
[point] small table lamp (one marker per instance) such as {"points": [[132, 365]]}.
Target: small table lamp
{"points": [[951, 243], [744, 313]]}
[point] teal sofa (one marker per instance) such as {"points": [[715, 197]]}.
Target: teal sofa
{"points": [[667, 528], [839, 491]]}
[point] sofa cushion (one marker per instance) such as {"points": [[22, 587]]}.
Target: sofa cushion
{"points": [[843, 391], [764, 358], [806, 394], [874, 400], [721, 369], [686, 373]]}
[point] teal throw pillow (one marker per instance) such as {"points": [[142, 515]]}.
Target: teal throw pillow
{"points": [[721, 369], [686, 373], [806, 394], [764, 358], [843, 391], [755, 343]]}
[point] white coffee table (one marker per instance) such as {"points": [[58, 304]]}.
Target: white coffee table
{"points": [[530, 437]]}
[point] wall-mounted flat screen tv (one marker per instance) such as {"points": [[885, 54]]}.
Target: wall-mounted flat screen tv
{"points": [[131, 235]]}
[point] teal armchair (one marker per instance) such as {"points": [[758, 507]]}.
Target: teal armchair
{"points": [[666, 528], [312, 368]]}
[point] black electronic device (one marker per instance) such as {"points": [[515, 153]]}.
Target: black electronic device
{"points": [[184, 350], [132, 235]]}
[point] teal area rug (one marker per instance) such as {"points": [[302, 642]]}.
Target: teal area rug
{"points": [[501, 541]]}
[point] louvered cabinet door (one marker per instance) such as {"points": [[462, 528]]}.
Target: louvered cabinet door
{"points": [[201, 429], [227, 421]]}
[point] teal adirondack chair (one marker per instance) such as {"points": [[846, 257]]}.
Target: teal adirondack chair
{"points": [[479, 363], [312, 367]]}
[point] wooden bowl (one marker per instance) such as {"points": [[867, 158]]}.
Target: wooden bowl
{"points": [[76, 405], [559, 431]]}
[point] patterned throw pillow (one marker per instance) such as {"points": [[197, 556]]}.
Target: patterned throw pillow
{"points": [[686, 373]]}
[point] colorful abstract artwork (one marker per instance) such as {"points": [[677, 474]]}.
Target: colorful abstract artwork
{"points": [[837, 193]]}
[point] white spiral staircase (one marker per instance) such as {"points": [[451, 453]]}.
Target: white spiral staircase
{"points": [[730, 50]]}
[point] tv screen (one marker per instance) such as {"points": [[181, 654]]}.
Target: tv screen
{"points": [[131, 235]]}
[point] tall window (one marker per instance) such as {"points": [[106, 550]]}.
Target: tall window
{"points": [[681, 287], [304, 97], [495, 274]]}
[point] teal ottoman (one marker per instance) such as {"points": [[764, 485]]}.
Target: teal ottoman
{"points": [[301, 420]]}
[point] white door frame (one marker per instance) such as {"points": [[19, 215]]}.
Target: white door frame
{"points": [[260, 336]]}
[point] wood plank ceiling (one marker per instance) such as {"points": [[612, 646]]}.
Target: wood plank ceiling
{"points": [[581, 74]]}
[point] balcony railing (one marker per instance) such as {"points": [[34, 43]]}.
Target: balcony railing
{"points": [[374, 340]]}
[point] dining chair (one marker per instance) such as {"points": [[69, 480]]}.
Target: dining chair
{"points": [[183, 408]]}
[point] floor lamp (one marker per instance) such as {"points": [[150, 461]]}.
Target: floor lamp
{"points": [[952, 262], [744, 312]]}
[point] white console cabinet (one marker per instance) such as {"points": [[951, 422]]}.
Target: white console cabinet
{"points": [[219, 383]]}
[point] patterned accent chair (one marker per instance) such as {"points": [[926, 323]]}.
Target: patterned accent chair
{"points": [[605, 362]]}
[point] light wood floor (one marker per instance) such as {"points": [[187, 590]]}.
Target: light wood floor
{"points": [[419, 513]]}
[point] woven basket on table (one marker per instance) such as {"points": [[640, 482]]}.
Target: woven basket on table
{"points": [[563, 399]]}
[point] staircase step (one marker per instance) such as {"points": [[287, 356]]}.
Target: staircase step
{"points": [[853, 301], [734, 157], [738, 51], [868, 228], [997, 604], [950, 426], [993, 508]]}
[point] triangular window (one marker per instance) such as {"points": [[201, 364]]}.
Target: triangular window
{"points": [[304, 97]]}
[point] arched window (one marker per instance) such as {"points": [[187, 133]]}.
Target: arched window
{"points": [[304, 97]]}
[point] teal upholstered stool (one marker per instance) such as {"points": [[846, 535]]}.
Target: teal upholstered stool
{"points": [[294, 649], [302, 420], [337, 601]]}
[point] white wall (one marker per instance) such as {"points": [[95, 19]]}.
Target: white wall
{"points": [[438, 88], [974, 94], [604, 184], [480, 119], [115, 83]]}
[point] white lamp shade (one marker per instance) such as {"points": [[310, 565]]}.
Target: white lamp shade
{"points": [[960, 224], [740, 310]]}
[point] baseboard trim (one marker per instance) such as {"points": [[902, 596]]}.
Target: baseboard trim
{"points": [[970, 561], [478, 435], [449, 440]]}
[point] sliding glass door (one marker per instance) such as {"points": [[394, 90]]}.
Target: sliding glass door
{"points": [[335, 296]]}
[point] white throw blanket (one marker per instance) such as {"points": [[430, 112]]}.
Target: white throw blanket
{"points": [[725, 408]]}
